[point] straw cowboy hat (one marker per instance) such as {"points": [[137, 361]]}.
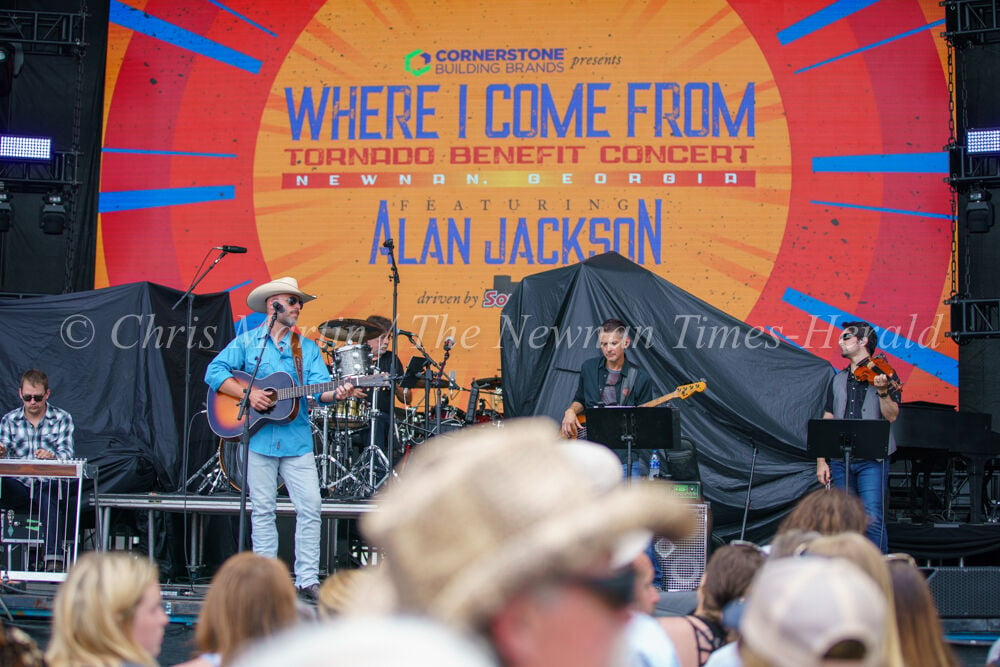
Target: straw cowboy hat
{"points": [[485, 512], [257, 299]]}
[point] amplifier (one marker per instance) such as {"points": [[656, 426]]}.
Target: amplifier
{"points": [[966, 592], [686, 490], [682, 562]]}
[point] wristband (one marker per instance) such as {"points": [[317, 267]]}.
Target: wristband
{"points": [[881, 395]]}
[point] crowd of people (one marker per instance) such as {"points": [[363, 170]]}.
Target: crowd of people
{"points": [[511, 546], [515, 547]]}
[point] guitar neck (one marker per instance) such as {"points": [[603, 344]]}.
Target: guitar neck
{"points": [[662, 399], [377, 380]]}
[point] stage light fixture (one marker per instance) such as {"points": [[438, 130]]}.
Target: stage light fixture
{"points": [[979, 212], [6, 210], [19, 147], [982, 141], [53, 217]]}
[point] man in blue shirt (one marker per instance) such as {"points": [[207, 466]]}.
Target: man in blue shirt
{"points": [[280, 448]]}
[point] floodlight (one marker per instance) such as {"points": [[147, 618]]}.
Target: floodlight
{"points": [[6, 210], [19, 147], [53, 217], [982, 141], [979, 212]]}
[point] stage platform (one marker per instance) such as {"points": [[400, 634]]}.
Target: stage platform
{"points": [[197, 508]]}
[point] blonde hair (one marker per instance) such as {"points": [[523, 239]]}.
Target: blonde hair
{"points": [[251, 597], [860, 551], [94, 611], [340, 592]]}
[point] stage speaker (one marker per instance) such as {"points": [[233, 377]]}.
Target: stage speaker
{"points": [[966, 592], [682, 562]]}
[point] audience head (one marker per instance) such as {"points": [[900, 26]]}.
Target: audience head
{"points": [[790, 542], [369, 641], [864, 555], [727, 577], [646, 595], [343, 591], [921, 637], [804, 612], [251, 597], [828, 512], [501, 531], [108, 612]]}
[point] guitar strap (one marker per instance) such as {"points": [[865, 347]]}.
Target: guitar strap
{"points": [[629, 381], [297, 355]]}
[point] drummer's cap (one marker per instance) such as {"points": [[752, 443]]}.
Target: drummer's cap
{"points": [[257, 299]]}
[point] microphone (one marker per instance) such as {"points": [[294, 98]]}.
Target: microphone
{"points": [[231, 249], [408, 334], [449, 343], [278, 308], [388, 244]]}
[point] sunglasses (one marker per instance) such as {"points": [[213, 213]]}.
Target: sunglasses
{"points": [[291, 301], [847, 336], [746, 544], [617, 590], [36, 398]]}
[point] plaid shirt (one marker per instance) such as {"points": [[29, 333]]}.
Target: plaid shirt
{"points": [[54, 433]]}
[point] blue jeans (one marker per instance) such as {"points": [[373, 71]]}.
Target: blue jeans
{"points": [[302, 481], [869, 481]]}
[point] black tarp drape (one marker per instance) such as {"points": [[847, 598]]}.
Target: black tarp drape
{"points": [[760, 390], [115, 361]]}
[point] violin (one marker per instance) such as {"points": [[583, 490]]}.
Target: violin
{"points": [[870, 368]]}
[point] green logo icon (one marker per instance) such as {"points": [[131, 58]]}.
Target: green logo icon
{"points": [[418, 62]]}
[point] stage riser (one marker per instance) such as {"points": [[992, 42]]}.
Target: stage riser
{"points": [[966, 592]]}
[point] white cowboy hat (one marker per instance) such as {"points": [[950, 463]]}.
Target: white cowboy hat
{"points": [[485, 512], [257, 299]]}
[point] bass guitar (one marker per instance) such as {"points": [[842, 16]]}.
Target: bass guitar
{"points": [[682, 392], [223, 409]]}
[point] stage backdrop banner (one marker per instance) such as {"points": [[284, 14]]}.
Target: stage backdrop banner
{"points": [[780, 161]]}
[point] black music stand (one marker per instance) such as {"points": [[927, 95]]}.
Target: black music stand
{"points": [[848, 439], [618, 427]]}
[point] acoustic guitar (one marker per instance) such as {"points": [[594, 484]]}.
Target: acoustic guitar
{"points": [[681, 392], [224, 409]]}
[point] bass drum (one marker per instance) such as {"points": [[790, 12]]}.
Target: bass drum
{"points": [[233, 463]]}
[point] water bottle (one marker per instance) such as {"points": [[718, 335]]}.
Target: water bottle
{"points": [[654, 466]]}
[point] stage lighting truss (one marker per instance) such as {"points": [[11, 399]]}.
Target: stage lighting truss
{"points": [[53, 215], [19, 147], [978, 142]]}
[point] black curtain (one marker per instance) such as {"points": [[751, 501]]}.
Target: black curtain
{"points": [[760, 391], [115, 361], [42, 102]]}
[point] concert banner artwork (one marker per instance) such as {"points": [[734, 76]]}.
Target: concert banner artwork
{"points": [[780, 160]]}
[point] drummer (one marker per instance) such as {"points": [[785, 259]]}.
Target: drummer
{"points": [[383, 361]]}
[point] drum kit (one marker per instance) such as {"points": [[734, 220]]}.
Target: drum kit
{"points": [[340, 428]]}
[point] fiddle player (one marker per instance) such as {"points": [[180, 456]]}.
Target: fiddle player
{"points": [[848, 397]]}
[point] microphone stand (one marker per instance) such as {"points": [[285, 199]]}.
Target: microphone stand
{"points": [[186, 434], [746, 505], [245, 436], [394, 279]]}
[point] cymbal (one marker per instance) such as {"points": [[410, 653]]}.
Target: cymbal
{"points": [[488, 383], [347, 328]]}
